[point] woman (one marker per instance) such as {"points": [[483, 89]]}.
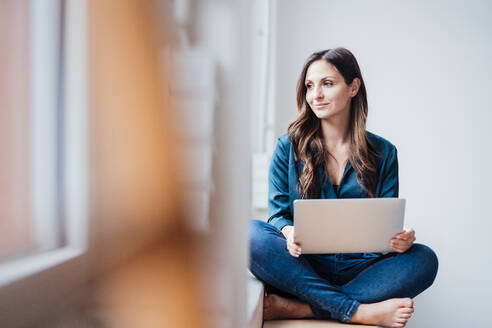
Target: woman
{"points": [[327, 153]]}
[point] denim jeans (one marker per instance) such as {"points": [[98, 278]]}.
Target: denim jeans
{"points": [[334, 285]]}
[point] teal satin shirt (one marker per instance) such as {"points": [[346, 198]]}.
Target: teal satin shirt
{"points": [[283, 178]]}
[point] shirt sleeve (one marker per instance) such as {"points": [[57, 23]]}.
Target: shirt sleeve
{"points": [[389, 182], [278, 188]]}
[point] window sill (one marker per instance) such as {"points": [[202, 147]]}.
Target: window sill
{"points": [[24, 267]]}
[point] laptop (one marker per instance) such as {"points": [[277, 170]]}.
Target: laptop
{"points": [[361, 225]]}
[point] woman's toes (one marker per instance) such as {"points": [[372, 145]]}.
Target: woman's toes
{"points": [[403, 317], [406, 310], [409, 303]]}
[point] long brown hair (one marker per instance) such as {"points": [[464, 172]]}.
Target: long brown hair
{"points": [[307, 139]]}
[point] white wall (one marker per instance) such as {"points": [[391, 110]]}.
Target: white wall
{"points": [[428, 79]]}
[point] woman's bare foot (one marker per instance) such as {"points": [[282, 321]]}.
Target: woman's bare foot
{"points": [[394, 312], [277, 307]]}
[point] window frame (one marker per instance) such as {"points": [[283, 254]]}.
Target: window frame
{"points": [[32, 284]]}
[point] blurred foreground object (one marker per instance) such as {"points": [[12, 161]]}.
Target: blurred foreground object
{"points": [[151, 219], [135, 189]]}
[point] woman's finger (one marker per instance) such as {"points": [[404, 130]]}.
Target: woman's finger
{"points": [[403, 241], [295, 250], [399, 250], [292, 251], [402, 249], [405, 236], [409, 233], [399, 246], [397, 243]]}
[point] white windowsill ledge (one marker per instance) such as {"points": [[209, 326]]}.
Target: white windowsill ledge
{"points": [[24, 267]]}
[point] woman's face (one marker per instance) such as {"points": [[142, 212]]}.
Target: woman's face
{"points": [[326, 91]]}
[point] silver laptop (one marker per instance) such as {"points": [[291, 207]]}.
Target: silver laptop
{"points": [[347, 225]]}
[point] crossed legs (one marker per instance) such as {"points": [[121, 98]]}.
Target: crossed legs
{"points": [[380, 294]]}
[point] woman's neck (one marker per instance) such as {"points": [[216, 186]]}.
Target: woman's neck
{"points": [[335, 131]]}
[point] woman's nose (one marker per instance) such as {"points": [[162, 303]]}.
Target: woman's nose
{"points": [[318, 93]]}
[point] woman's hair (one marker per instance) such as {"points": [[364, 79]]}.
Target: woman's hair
{"points": [[307, 139]]}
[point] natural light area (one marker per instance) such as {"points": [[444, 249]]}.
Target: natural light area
{"points": [[244, 163]]}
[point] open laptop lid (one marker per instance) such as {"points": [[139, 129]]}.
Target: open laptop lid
{"points": [[347, 225]]}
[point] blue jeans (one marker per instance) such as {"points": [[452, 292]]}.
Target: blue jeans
{"points": [[334, 285]]}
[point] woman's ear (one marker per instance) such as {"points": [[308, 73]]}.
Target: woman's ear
{"points": [[354, 87]]}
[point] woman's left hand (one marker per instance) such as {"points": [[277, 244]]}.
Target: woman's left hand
{"points": [[402, 241]]}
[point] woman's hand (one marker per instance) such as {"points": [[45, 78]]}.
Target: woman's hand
{"points": [[292, 246], [402, 241]]}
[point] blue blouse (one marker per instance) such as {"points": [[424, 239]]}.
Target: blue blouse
{"points": [[283, 178]]}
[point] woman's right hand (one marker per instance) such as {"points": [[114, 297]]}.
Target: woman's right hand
{"points": [[292, 246]]}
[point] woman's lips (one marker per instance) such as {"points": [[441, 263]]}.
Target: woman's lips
{"points": [[321, 105]]}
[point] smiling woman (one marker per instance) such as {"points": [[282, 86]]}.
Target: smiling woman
{"points": [[327, 92], [327, 153], [332, 101]]}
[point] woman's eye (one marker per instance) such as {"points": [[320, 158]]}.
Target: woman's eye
{"points": [[309, 86], [329, 83]]}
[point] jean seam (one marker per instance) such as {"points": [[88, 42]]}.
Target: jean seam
{"points": [[351, 311]]}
